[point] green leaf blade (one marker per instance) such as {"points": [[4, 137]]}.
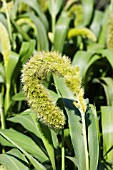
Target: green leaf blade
{"points": [[92, 138], [60, 36], [74, 121], [26, 143], [107, 128], [14, 160]]}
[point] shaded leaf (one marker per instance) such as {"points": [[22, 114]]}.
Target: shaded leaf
{"points": [[108, 53], [107, 84], [25, 36], [71, 159]]}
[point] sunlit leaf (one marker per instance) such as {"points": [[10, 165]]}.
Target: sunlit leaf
{"points": [[107, 129], [87, 10], [102, 36], [54, 7], [76, 128], [108, 53], [42, 35], [26, 120], [84, 60], [61, 32], [19, 96], [24, 142], [93, 144], [45, 135], [35, 5], [36, 164], [5, 42], [26, 50], [74, 121], [97, 22], [14, 160]]}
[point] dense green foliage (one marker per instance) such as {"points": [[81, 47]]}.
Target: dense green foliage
{"points": [[83, 31]]}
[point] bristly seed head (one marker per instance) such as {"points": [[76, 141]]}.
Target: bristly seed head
{"points": [[33, 75]]}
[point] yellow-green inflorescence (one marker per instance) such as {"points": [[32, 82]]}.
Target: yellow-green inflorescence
{"points": [[33, 76], [109, 38]]}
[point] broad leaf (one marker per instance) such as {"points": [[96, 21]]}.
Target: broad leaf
{"points": [[26, 50], [42, 35], [19, 96], [75, 126], [35, 6], [107, 84], [26, 120], [108, 53], [12, 62], [24, 142], [24, 35], [92, 137], [60, 36], [107, 129], [88, 10], [74, 121], [45, 135], [54, 7], [14, 160], [102, 36], [97, 23], [35, 163], [84, 60], [5, 43]]}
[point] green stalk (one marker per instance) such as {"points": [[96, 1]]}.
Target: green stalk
{"points": [[3, 125], [8, 18], [85, 141], [7, 97], [63, 152], [53, 24], [53, 29]]}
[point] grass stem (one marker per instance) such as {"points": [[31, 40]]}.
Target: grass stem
{"points": [[85, 141], [63, 151], [2, 115]]}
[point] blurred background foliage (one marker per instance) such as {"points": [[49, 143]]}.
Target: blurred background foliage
{"points": [[80, 29]]}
